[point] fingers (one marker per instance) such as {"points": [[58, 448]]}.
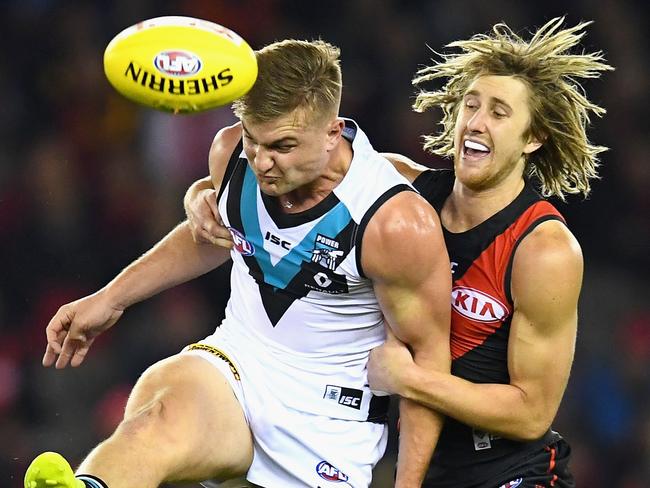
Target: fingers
{"points": [[73, 351], [217, 234], [391, 338], [227, 243], [52, 350], [205, 222], [390, 335], [55, 332], [64, 346], [80, 354], [210, 198], [199, 234]]}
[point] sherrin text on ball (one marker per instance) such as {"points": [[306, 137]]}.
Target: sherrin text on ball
{"points": [[180, 64]]}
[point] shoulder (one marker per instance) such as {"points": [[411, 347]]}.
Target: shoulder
{"points": [[405, 211], [408, 168], [226, 139], [551, 243], [548, 265], [223, 145], [404, 233]]}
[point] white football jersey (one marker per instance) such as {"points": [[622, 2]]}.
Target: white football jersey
{"points": [[299, 300]]}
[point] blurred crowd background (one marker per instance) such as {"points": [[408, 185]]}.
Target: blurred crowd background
{"points": [[89, 181]]}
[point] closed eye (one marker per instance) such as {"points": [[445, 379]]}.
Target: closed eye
{"points": [[282, 149]]}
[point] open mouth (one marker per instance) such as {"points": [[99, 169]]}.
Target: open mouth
{"points": [[475, 150]]}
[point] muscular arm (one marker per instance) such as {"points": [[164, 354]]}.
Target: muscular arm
{"points": [[403, 253], [175, 259], [546, 281]]}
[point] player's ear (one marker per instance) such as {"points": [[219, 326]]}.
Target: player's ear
{"points": [[534, 143], [532, 146], [334, 132]]}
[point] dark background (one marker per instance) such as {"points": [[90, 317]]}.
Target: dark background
{"points": [[89, 181]]}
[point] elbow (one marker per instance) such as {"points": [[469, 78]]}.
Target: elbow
{"points": [[532, 432], [532, 428]]}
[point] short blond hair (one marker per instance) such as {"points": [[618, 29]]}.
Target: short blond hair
{"points": [[559, 106], [294, 74]]}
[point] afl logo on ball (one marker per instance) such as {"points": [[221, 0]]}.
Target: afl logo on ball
{"points": [[177, 63]]}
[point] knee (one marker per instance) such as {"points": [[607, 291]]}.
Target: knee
{"points": [[148, 409], [144, 417]]}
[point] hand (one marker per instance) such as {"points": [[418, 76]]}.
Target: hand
{"points": [[75, 326], [388, 364], [205, 222]]}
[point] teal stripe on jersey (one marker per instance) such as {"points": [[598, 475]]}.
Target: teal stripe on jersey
{"points": [[281, 274]]}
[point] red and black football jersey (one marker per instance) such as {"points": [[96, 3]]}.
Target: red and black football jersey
{"points": [[482, 308]]}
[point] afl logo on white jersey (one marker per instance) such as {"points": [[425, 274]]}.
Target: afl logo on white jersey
{"points": [[476, 305], [241, 245], [330, 473]]}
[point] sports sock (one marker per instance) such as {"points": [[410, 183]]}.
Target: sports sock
{"points": [[91, 481]]}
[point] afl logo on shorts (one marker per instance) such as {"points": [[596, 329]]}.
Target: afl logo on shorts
{"points": [[328, 472], [512, 484], [476, 305], [241, 245], [177, 63]]}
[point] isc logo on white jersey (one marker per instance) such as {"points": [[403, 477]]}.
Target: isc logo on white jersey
{"points": [[349, 397], [273, 239], [476, 305]]}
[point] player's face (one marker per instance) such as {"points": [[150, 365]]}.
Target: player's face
{"points": [[489, 142], [289, 152]]}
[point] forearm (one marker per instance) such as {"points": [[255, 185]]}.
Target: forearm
{"points": [[418, 435], [174, 260], [420, 426], [501, 409]]}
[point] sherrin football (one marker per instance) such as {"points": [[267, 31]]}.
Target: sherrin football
{"points": [[180, 64]]}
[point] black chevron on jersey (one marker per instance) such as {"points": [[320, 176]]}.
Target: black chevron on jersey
{"points": [[311, 275]]}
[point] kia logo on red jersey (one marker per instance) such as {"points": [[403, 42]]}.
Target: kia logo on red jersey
{"points": [[476, 305], [177, 63], [241, 245]]}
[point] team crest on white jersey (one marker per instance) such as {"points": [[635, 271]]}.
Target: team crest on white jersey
{"points": [[326, 252]]}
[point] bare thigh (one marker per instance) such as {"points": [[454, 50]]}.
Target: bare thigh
{"points": [[193, 413]]}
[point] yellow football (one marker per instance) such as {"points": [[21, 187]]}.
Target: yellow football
{"points": [[180, 64]]}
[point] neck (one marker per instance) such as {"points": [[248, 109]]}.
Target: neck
{"points": [[465, 208]]}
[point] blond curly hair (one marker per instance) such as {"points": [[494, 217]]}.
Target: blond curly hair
{"points": [[560, 109]]}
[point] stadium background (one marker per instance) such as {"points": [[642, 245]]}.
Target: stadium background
{"points": [[89, 181]]}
